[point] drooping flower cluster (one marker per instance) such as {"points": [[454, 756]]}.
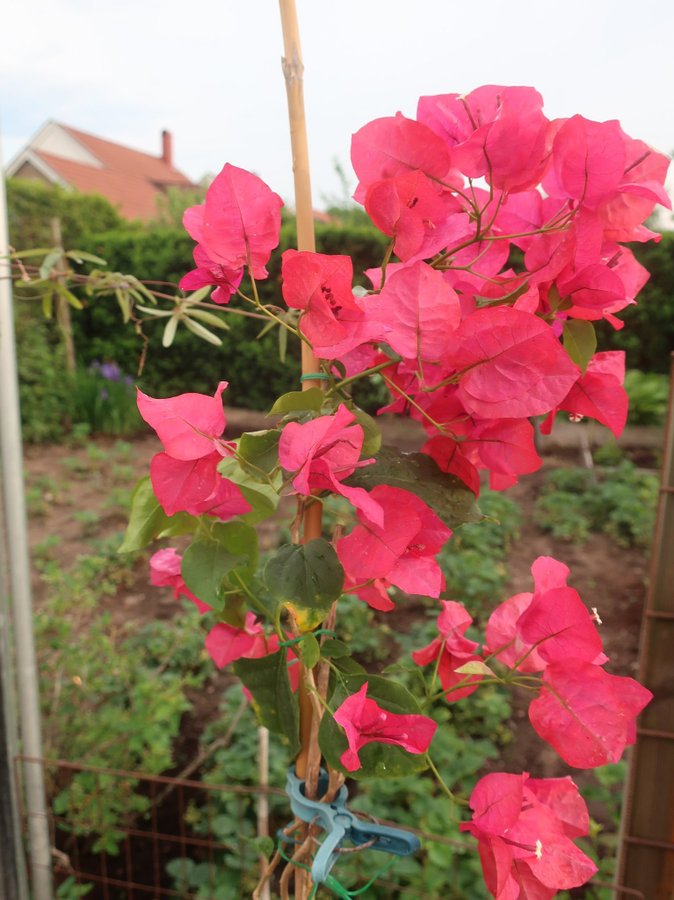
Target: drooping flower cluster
{"points": [[185, 476], [525, 829], [585, 713], [507, 235]]}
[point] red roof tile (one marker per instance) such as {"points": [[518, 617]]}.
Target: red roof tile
{"points": [[134, 195], [132, 162]]}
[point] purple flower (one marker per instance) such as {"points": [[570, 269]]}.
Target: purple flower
{"points": [[111, 371]]}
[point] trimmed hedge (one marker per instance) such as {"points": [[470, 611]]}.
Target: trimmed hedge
{"points": [[252, 366], [648, 335], [31, 206], [163, 253]]}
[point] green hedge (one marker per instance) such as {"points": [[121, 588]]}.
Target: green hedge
{"points": [[252, 366], [648, 335], [163, 253], [31, 206]]}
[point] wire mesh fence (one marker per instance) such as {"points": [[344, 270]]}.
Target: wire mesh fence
{"points": [[160, 848], [169, 845]]}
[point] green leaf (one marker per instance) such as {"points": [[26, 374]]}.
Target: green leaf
{"points": [[234, 610], [580, 341], [282, 344], [310, 651], [474, 667], [273, 700], [202, 332], [310, 400], [80, 256], [124, 304], [331, 648], [415, 472], [48, 303], [208, 317], [50, 261], [378, 760], [68, 296], [148, 520], [28, 254], [258, 451], [306, 579], [262, 496], [169, 331], [210, 559], [199, 295], [372, 442]]}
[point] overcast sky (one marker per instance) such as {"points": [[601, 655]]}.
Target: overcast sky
{"points": [[210, 71]]}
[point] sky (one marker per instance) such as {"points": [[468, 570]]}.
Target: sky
{"points": [[210, 71]]}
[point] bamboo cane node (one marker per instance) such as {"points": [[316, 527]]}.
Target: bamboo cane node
{"points": [[293, 70]]}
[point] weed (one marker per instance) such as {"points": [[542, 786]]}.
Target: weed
{"points": [[122, 474], [112, 695], [88, 519], [76, 466], [618, 501]]}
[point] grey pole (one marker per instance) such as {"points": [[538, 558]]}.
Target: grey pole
{"points": [[11, 457]]}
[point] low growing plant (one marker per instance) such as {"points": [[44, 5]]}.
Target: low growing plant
{"points": [[618, 500], [113, 694]]}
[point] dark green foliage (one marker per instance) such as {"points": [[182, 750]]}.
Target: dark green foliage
{"points": [[113, 695], [230, 819], [31, 206], [619, 503], [648, 394], [648, 335], [474, 561], [104, 405], [45, 391], [253, 368]]}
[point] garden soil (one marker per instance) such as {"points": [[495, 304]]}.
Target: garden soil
{"points": [[77, 498]]}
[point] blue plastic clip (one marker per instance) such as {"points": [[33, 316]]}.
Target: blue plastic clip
{"points": [[340, 825]]}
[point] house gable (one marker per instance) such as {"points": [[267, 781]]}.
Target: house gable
{"points": [[131, 180]]}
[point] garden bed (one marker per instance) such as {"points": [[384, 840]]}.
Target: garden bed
{"points": [[77, 501]]}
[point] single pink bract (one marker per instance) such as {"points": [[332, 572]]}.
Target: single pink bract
{"points": [[514, 365], [165, 571], [187, 425], [239, 223], [421, 311], [587, 715], [401, 550], [364, 722]]}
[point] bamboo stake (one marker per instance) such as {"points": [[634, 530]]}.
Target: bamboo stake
{"points": [[263, 802], [293, 72], [62, 307]]}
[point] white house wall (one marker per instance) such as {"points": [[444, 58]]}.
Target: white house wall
{"points": [[53, 139]]}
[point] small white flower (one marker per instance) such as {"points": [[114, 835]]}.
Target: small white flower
{"points": [[596, 616], [539, 849]]}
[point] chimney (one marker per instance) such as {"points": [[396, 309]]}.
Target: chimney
{"points": [[167, 147]]}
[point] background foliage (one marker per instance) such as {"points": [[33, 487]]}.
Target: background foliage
{"points": [[161, 252]]}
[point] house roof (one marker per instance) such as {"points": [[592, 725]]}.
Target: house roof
{"points": [[134, 196], [131, 180]]}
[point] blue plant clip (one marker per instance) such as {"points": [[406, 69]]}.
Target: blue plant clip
{"points": [[340, 825]]}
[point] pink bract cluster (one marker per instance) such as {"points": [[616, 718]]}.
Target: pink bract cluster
{"points": [[525, 829], [507, 241], [586, 714]]}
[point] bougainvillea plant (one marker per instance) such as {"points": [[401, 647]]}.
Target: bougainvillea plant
{"points": [[507, 242]]}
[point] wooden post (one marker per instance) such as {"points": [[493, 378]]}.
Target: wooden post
{"points": [[646, 852], [293, 71], [62, 307]]}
